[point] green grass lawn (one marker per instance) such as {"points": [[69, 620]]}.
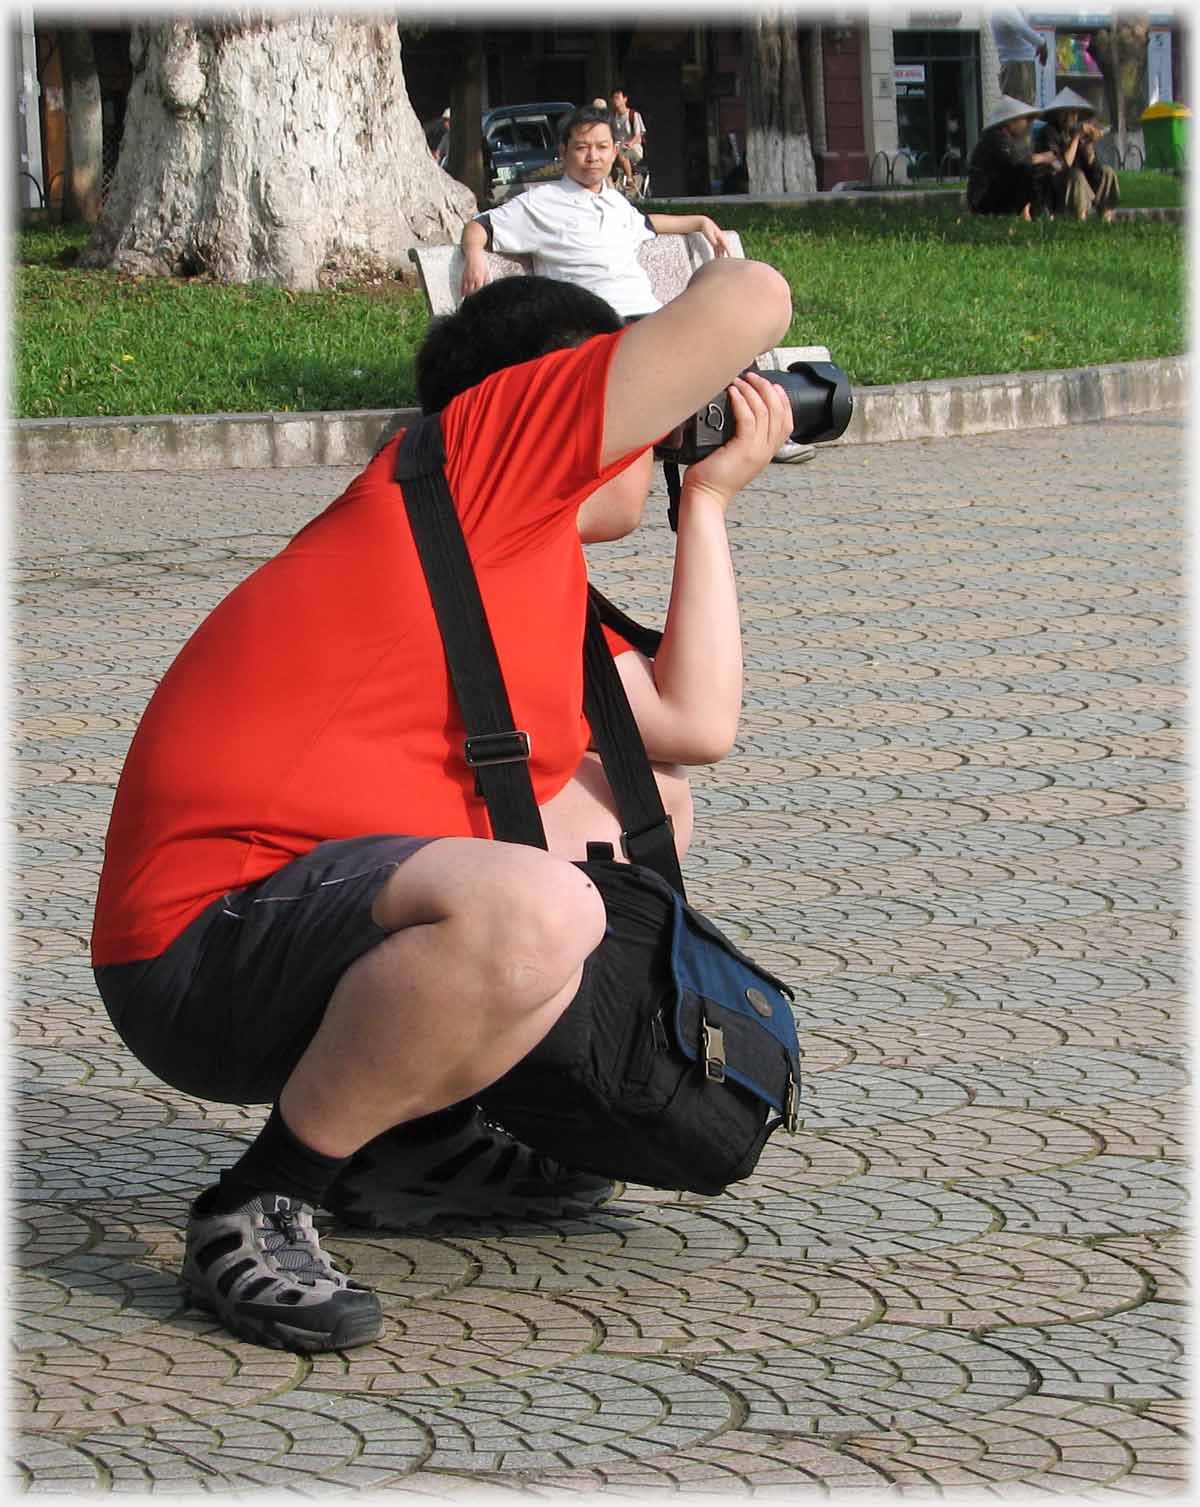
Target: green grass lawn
{"points": [[904, 294], [898, 292], [1147, 189]]}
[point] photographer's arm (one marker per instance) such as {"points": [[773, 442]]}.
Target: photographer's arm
{"points": [[687, 701], [668, 364]]}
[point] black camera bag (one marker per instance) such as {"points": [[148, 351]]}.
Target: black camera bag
{"points": [[680, 1086]]}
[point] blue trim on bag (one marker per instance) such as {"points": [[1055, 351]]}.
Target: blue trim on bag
{"points": [[705, 964]]}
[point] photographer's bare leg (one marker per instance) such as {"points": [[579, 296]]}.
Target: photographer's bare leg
{"points": [[488, 945]]}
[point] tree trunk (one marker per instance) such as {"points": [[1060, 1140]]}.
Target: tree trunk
{"points": [[276, 149], [465, 159], [1122, 49], [85, 127], [778, 150]]}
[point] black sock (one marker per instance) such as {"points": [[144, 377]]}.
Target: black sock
{"points": [[275, 1162], [439, 1126]]}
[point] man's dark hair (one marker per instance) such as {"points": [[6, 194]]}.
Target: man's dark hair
{"points": [[579, 120], [619, 89], [512, 320]]}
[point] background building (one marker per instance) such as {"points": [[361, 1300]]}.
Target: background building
{"points": [[898, 92]]}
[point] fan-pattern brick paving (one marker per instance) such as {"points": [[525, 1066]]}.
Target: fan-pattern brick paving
{"points": [[952, 821]]}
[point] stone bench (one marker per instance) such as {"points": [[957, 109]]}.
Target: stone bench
{"points": [[669, 260]]}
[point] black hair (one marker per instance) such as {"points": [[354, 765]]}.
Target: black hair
{"points": [[618, 89], [509, 321], [586, 115]]}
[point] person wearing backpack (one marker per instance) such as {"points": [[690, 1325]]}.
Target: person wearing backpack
{"points": [[629, 133], [303, 904]]}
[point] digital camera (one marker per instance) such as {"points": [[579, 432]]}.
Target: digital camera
{"points": [[821, 401]]}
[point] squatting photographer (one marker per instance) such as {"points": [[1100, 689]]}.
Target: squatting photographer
{"points": [[301, 903]]}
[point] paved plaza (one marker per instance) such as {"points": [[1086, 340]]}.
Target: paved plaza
{"points": [[952, 821]]}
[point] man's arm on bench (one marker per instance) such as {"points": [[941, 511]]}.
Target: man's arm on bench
{"points": [[703, 225], [669, 363]]}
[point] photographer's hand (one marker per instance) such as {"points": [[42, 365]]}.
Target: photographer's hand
{"points": [[763, 420]]}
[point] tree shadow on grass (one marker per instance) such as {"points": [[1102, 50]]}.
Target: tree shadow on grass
{"points": [[311, 383]]}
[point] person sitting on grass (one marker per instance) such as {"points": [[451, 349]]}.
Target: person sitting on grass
{"points": [[581, 230], [1084, 185], [1003, 176]]}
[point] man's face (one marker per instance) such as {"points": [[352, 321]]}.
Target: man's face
{"points": [[620, 100], [1019, 127], [589, 155]]}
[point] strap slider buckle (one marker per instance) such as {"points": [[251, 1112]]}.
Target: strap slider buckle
{"points": [[498, 748], [791, 1107], [644, 840], [712, 1043]]}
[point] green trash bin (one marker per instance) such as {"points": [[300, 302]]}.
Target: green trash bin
{"points": [[1164, 129]]}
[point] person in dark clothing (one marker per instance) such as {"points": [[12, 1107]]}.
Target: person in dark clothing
{"points": [[1082, 184], [1004, 177]]}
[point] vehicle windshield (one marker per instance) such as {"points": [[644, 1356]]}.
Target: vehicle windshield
{"points": [[522, 133]]}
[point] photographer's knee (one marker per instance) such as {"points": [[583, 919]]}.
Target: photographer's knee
{"points": [[541, 928]]}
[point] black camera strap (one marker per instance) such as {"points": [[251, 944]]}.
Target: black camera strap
{"points": [[674, 481], [648, 837], [645, 640], [495, 748]]}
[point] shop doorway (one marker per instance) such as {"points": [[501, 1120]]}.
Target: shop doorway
{"points": [[937, 100]]}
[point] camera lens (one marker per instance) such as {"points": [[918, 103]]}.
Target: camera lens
{"points": [[821, 400]]}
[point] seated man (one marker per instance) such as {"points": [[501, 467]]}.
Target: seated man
{"points": [[583, 231], [1003, 176], [301, 904]]}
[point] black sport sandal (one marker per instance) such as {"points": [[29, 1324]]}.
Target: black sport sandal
{"points": [[477, 1171]]}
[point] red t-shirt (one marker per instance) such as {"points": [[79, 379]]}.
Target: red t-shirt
{"points": [[314, 702]]}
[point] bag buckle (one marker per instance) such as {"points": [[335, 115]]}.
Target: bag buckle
{"points": [[498, 748], [712, 1043], [791, 1107], [645, 839]]}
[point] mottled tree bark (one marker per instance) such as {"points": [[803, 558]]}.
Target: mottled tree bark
{"points": [[274, 148], [779, 155], [85, 127], [1122, 50]]}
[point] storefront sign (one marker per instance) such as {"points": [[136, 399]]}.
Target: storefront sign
{"points": [[910, 73]]}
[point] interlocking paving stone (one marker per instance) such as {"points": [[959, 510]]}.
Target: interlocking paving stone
{"points": [[1126, 1357], [890, 1375], [951, 821], [1072, 1447], [1109, 1195]]}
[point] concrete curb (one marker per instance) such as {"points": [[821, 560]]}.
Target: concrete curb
{"points": [[1016, 401], [907, 411]]}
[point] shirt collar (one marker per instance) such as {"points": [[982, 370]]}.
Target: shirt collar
{"points": [[569, 186]]}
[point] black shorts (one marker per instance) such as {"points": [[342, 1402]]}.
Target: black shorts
{"points": [[227, 1010]]}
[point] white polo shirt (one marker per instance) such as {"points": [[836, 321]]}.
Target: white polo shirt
{"points": [[578, 237]]}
